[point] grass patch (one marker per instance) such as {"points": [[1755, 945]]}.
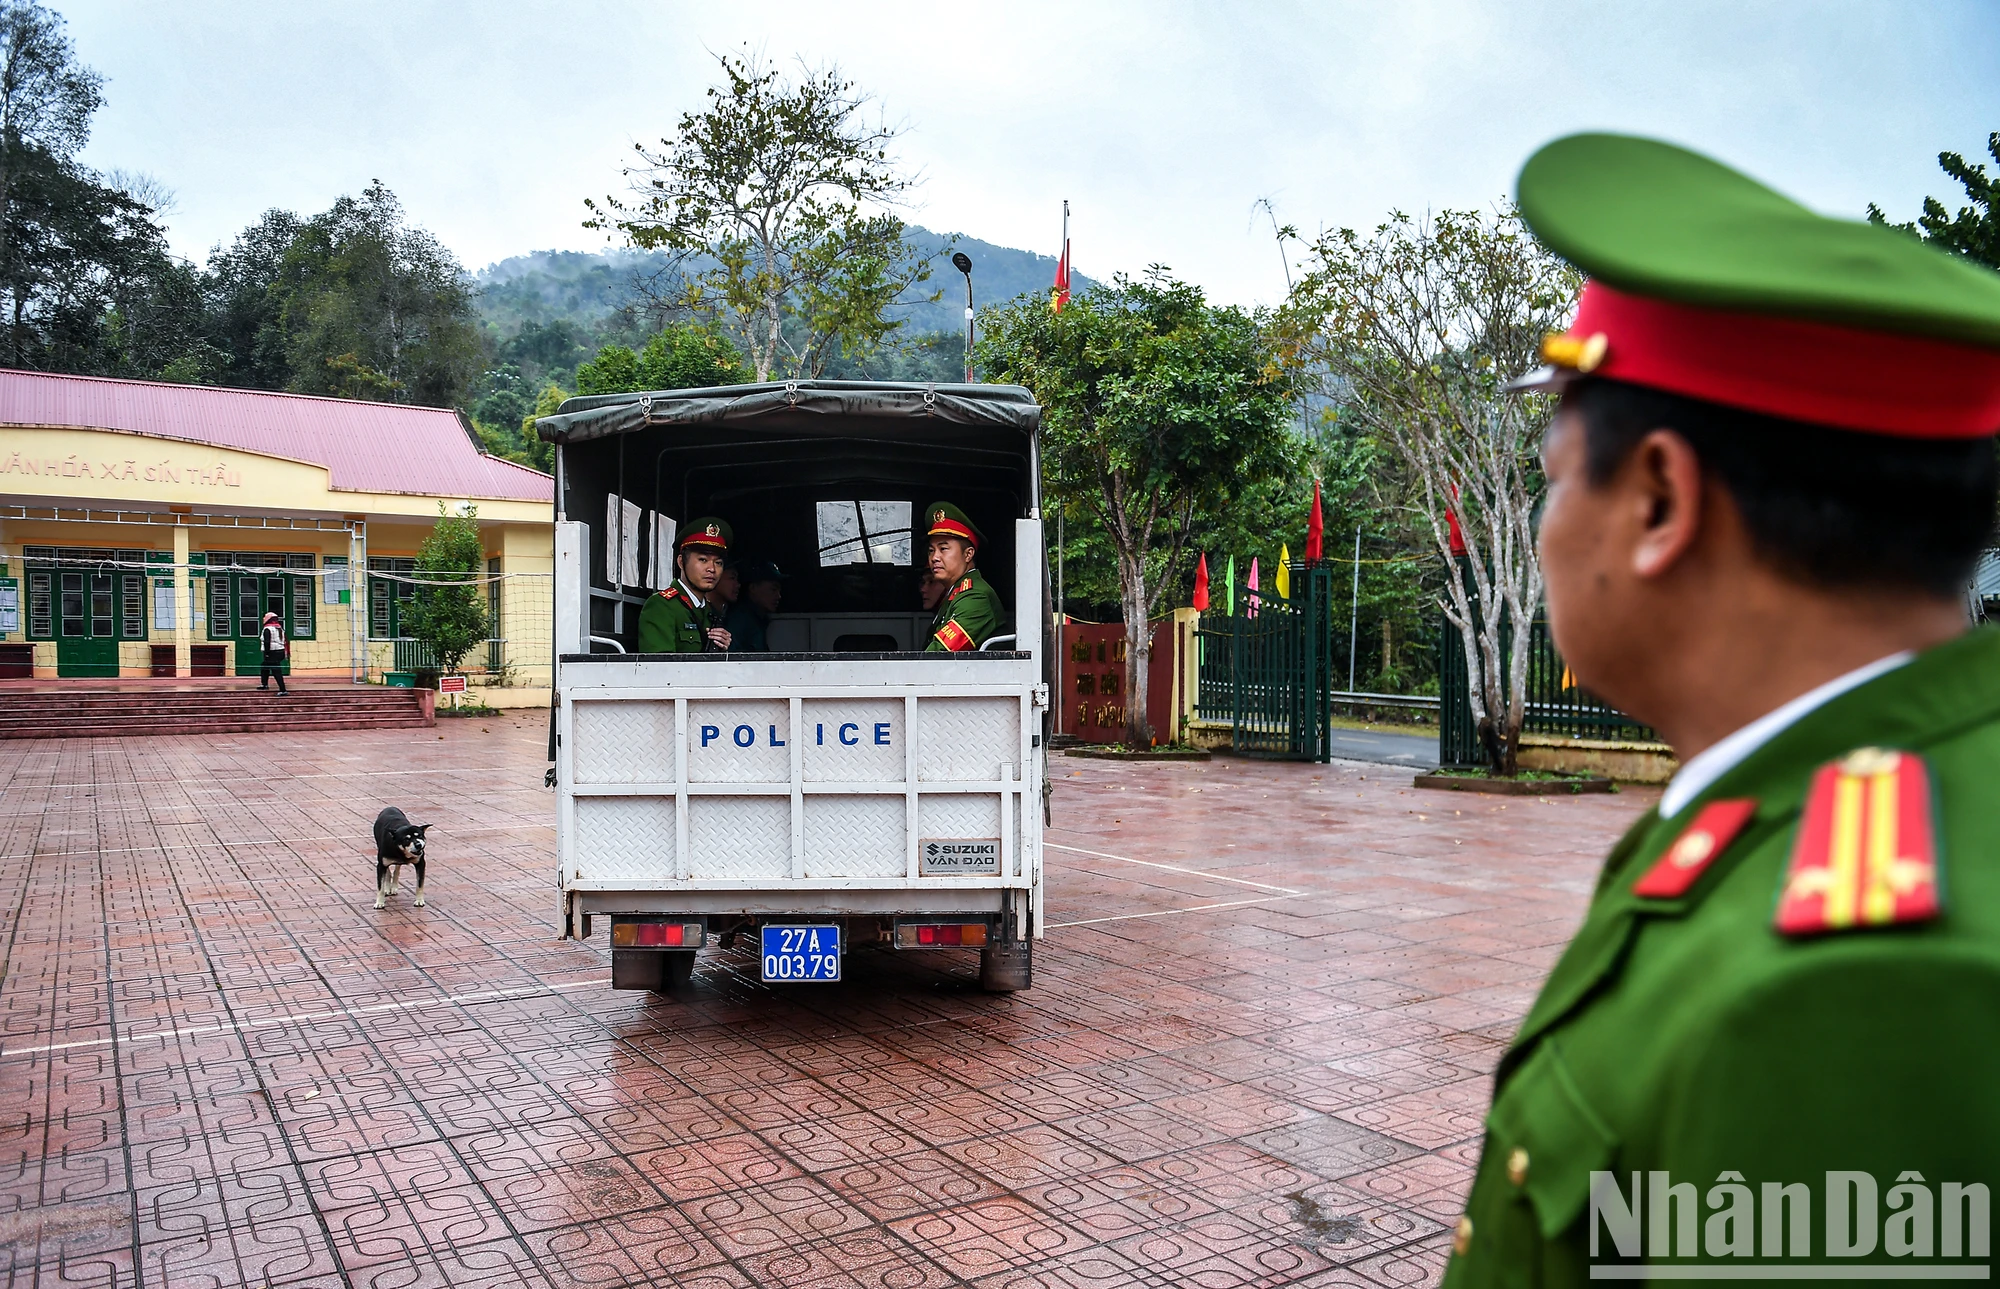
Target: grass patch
{"points": [[1529, 776], [1385, 727]]}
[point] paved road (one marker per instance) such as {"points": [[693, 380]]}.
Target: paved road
{"points": [[1418, 751], [1258, 1049]]}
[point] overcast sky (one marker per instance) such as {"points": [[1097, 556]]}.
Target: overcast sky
{"points": [[1161, 123]]}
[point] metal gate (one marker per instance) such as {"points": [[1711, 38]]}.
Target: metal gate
{"points": [[1267, 670], [1555, 703]]}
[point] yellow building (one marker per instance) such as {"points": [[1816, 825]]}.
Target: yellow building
{"points": [[145, 529]]}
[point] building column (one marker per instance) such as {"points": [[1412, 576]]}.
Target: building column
{"points": [[183, 605]]}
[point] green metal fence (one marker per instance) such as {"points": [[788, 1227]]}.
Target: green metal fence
{"points": [[414, 655], [1555, 704], [1270, 676]]}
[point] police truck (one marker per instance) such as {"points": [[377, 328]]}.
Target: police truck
{"points": [[848, 789]]}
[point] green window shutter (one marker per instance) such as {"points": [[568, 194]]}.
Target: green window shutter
{"points": [[218, 607], [302, 607]]}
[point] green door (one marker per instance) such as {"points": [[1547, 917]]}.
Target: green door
{"points": [[95, 609], [252, 595]]}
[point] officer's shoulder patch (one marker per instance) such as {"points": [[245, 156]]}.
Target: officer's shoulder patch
{"points": [[1694, 850], [1866, 852], [964, 585], [671, 593]]}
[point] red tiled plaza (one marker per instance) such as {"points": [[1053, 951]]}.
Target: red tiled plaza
{"points": [[1257, 1050]]}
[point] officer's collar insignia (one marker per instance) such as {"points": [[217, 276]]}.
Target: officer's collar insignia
{"points": [[1866, 854], [1694, 850]]}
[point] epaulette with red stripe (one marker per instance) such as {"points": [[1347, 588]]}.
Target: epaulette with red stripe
{"points": [[672, 593], [1866, 853], [1694, 850]]}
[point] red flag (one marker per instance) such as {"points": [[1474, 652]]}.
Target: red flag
{"points": [[1455, 537], [1315, 530], [1060, 296], [1201, 584]]}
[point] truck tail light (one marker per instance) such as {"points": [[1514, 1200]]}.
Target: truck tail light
{"points": [[941, 935], [656, 935]]}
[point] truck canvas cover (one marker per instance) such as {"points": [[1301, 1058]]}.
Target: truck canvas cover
{"points": [[861, 406]]}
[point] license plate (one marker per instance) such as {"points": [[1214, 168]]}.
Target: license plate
{"points": [[801, 953]]}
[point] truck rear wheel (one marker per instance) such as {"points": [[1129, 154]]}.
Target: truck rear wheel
{"points": [[1005, 966]]}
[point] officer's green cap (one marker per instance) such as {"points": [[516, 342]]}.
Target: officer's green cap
{"points": [[948, 520], [709, 533], [1706, 283]]}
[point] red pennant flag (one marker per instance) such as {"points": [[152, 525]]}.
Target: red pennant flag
{"points": [[1060, 296], [1315, 530], [1201, 584], [1455, 537]]}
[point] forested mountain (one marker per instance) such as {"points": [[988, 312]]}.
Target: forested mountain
{"points": [[589, 289]]}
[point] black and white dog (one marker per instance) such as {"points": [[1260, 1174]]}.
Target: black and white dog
{"points": [[397, 842]]}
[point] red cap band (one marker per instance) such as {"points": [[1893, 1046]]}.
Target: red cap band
{"points": [[1872, 381], [951, 528]]}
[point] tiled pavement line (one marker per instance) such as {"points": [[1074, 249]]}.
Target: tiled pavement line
{"points": [[164, 847], [1173, 868], [303, 1018]]}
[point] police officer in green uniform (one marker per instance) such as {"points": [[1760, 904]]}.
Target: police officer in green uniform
{"points": [[1773, 1047], [970, 613], [681, 618]]}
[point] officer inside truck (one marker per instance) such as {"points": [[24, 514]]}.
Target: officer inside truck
{"points": [[682, 618], [970, 613]]}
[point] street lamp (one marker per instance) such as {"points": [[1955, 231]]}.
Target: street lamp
{"points": [[963, 263]]}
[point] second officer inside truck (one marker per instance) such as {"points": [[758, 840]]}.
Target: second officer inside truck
{"points": [[970, 613], [681, 619]]}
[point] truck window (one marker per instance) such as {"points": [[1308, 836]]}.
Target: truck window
{"points": [[864, 532]]}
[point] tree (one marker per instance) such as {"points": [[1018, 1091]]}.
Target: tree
{"points": [[1974, 231], [375, 309], [448, 612], [86, 280], [245, 315], [1418, 327], [677, 357], [1157, 408], [759, 201], [46, 101]]}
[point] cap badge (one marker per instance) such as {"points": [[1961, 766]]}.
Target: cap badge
{"points": [[1577, 353], [937, 516], [712, 530]]}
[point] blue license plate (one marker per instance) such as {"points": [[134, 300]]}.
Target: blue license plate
{"points": [[801, 953]]}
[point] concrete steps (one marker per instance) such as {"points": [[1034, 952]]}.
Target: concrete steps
{"points": [[83, 712]]}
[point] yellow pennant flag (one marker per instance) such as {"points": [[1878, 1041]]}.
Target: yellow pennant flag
{"points": [[1285, 571]]}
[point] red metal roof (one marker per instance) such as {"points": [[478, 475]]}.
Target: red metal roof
{"points": [[365, 447]]}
